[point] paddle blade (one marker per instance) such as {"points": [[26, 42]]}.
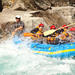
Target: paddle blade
{"points": [[28, 34], [49, 32]]}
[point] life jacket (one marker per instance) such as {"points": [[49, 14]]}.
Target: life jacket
{"points": [[37, 26], [63, 37], [51, 39], [33, 38], [66, 34], [39, 34], [59, 31]]}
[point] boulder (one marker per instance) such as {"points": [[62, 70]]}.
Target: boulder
{"points": [[19, 5], [43, 4]]}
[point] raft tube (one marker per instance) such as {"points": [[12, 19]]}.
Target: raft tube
{"points": [[56, 51]]}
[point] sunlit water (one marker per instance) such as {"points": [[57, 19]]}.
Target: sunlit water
{"points": [[19, 60]]}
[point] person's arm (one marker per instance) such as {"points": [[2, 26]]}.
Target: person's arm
{"points": [[19, 28]]}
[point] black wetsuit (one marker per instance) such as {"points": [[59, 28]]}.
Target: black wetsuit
{"points": [[35, 30]]}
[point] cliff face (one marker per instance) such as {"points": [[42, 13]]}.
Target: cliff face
{"points": [[37, 4]]}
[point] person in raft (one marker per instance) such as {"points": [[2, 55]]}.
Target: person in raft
{"points": [[52, 38], [18, 26], [65, 36], [38, 31]]}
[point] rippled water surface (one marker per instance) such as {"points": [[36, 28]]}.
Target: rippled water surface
{"points": [[19, 60]]}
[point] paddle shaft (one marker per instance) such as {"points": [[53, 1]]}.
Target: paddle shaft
{"points": [[28, 34]]}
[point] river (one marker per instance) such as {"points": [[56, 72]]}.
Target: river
{"points": [[19, 60]]}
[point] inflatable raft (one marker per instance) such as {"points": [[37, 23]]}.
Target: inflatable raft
{"points": [[60, 50], [57, 51]]}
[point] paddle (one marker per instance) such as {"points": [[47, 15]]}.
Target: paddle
{"points": [[49, 32], [28, 34], [46, 33]]}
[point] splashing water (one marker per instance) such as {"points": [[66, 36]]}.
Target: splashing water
{"points": [[19, 60]]}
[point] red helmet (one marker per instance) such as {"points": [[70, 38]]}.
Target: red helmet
{"points": [[41, 25], [52, 27], [65, 26], [72, 29]]}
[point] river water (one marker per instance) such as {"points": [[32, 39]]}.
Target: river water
{"points": [[19, 60]]}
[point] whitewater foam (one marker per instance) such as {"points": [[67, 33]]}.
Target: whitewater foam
{"points": [[19, 60]]}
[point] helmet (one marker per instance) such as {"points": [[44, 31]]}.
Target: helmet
{"points": [[18, 17], [52, 27], [65, 26], [72, 29], [41, 25]]}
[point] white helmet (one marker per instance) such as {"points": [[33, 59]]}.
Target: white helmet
{"points": [[18, 17]]}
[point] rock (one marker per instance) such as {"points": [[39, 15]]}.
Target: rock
{"points": [[6, 28], [1, 31], [1, 7], [43, 4], [19, 5], [72, 3], [38, 4]]}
